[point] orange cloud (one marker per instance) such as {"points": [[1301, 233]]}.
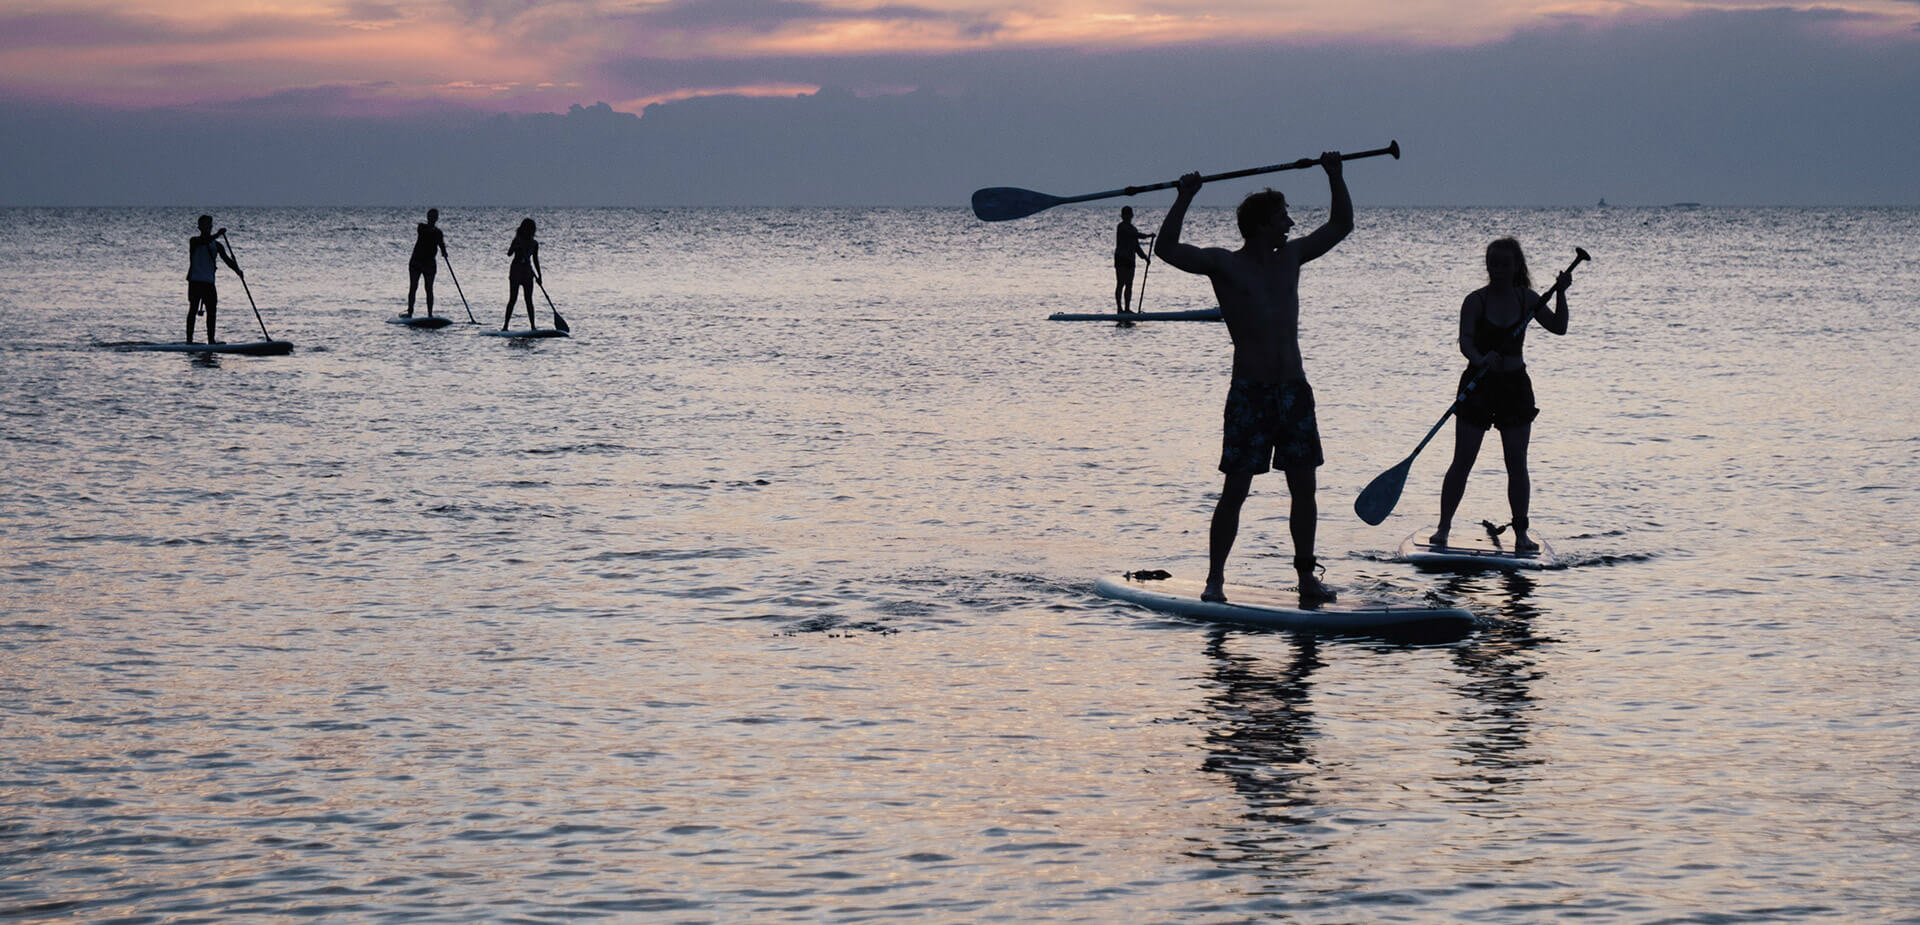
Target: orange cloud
{"points": [[148, 52]]}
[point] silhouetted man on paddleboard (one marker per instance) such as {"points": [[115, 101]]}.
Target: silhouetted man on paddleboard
{"points": [[425, 261], [201, 251], [1269, 420], [1126, 246]]}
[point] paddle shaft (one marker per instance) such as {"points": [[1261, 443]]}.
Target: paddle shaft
{"points": [[247, 289], [456, 288], [559, 323], [1392, 148], [1140, 304]]}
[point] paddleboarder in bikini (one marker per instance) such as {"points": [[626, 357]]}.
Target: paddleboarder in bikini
{"points": [[1504, 396], [1269, 420], [523, 272], [201, 251], [1126, 246], [425, 262]]}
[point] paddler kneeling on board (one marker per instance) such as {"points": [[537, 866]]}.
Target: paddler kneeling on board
{"points": [[1269, 420], [201, 249]]}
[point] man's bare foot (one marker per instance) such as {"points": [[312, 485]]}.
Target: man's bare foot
{"points": [[1439, 538], [1524, 546], [1215, 591], [1313, 591], [407, 314]]}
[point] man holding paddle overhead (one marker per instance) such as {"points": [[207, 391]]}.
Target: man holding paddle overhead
{"points": [[1269, 420], [201, 251]]}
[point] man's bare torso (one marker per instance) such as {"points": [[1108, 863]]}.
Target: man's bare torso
{"points": [[1260, 301]]}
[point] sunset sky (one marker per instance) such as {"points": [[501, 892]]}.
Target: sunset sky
{"points": [[362, 60]]}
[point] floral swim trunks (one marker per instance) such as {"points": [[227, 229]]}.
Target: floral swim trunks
{"points": [[1269, 425]]}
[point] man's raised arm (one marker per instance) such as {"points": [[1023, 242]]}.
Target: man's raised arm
{"points": [[1339, 221], [1167, 246]]}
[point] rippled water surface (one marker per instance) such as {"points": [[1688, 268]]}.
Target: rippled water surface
{"points": [[767, 596]]}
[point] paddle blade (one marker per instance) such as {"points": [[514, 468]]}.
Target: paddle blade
{"points": [[1376, 501], [559, 323], [1001, 203]]}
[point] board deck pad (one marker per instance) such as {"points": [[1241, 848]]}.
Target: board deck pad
{"points": [[524, 332], [1469, 546], [1279, 609], [1198, 314], [421, 321], [258, 348]]}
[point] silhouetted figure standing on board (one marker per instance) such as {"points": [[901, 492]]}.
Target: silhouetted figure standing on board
{"points": [[1504, 396], [1269, 420], [1126, 246], [523, 272], [428, 248], [201, 251]]}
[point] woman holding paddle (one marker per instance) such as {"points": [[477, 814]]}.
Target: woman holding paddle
{"points": [[523, 272], [1493, 329]]}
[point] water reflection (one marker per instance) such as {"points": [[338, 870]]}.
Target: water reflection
{"points": [[1498, 670], [1259, 736], [1261, 730]]}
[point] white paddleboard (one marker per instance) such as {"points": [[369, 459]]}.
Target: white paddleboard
{"points": [[258, 348], [420, 321], [1278, 609], [525, 332], [1469, 546], [1198, 314]]}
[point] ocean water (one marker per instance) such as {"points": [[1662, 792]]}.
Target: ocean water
{"points": [[767, 596]]}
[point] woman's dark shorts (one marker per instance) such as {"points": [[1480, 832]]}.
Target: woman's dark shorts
{"points": [[1502, 399], [426, 268], [202, 293], [1269, 425]]}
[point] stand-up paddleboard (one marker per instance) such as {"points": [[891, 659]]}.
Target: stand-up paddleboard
{"points": [[421, 321], [1198, 314], [258, 348], [526, 332], [1469, 547], [1278, 609]]}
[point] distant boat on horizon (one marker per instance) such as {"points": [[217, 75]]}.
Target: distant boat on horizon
{"points": [[1603, 202]]}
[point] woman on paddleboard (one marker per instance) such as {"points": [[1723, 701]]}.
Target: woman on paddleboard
{"points": [[1493, 329], [523, 272]]}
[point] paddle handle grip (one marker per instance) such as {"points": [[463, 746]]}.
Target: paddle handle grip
{"points": [[1393, 148]]}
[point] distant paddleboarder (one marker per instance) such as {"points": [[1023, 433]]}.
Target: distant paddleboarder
{"points": [[428, 247], [1269, 419], [1126, 246], [201, 251], [1503, 398], [523, 272]]}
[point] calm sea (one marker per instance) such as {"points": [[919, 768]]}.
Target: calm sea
{"points": [[768, 595]]}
